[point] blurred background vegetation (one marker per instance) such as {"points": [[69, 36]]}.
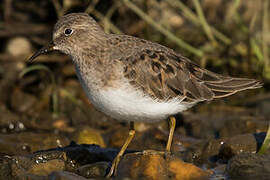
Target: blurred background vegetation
{"points": [[226, 36]]}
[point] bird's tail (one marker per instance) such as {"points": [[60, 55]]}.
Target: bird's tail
{"points": [[230, 85]]}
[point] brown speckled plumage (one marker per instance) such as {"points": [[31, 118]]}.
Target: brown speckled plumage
{"points": [[164, 74], [156, 70]]}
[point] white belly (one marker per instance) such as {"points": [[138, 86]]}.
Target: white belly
{"points": [[126, 104]]}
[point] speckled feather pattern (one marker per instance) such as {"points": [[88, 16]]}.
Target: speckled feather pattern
{"points": [[133, 79]]}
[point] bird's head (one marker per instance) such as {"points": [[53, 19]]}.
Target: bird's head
{"points": [[71, 33]]}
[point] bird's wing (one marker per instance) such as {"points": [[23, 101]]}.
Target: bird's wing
{"points": [[165, 75]]}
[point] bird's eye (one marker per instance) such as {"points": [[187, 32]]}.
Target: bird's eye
{"points": [[68, 32]]}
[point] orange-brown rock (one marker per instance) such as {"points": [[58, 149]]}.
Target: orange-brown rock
{"points": [[155, 165]]}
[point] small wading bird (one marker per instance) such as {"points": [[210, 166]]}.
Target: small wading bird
{"points": [[132, 79]]}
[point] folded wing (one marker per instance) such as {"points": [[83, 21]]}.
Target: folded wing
{"points": [[166, 75]]}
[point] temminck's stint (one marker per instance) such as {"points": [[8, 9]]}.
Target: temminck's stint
{"points": [[132, 79]]}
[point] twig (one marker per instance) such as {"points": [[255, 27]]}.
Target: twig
{"points": [[113, 28], [265, 32], [101, 17], [108, 16], [256, 49], [164, 31], [91, 6], [232, 10], [203, 22]]}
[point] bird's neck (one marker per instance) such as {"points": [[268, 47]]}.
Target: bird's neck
{"points": [[95, 69]]}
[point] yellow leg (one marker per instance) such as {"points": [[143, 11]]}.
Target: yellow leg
{"points": [[172, 123], [121, 152]]}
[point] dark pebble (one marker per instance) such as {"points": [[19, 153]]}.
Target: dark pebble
{"points": [[248, 166]]}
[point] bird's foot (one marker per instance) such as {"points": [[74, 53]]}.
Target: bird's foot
{"points": [[114, 166]]}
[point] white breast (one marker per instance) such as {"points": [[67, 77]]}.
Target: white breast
{"points": [[127, 104]]}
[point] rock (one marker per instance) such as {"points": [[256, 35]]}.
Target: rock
{"points": [[47, 167], [64, 175], [211, 149], [186, 171], [87, 160], [221, 150], [98, 169], [236, 125], [5, 168], [40, 164], [153, 165], [9, 121], [238, 144], [202, 152], [19, 46], [26, 142], [219, 172], [152, 138], [89, 136], [248, 166]]}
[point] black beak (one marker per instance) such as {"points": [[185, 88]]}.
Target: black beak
{"points": [[45, 49]]}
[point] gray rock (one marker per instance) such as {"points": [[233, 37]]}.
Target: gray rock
{"points": [[248, 166]]}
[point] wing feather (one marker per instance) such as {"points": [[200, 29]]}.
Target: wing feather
{"points": [[163, 74]]}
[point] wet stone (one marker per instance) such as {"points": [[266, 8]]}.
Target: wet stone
{"points": [[242, 125], [211, 149], [9, 121], [89, 136], [238, 144], [85, 160], [157, 166], [219, 172], [80, 155], [64, 175], [201, 152], [5, 168], [248, 166], [26, 142], [46, 168], [98, 169], [40, 164]]}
